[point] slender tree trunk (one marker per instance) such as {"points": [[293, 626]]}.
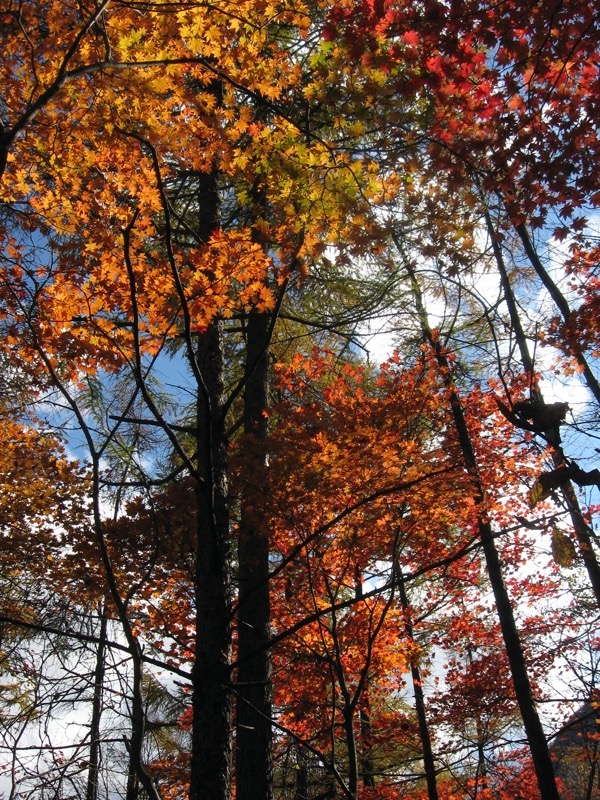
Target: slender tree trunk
{"points": [[562, 304], [347, 706], [428, 759], [481, 777], [590, 782], [581, 529], [481, 773], [367, 768], [348, 712], [94, 756], [138, 775], [520, 677], [254, 763]]}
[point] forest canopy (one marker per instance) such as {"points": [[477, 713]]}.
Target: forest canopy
{"points": [[299, 399]]}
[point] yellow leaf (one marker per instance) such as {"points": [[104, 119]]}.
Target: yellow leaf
{"points": [[538, 492], [563, 549]]}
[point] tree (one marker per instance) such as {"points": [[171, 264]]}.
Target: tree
{"points": [[140, 267], [183, 188]]}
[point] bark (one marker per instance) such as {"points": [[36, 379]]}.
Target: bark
{"points": [[254, 761], [210, 777], [367, 768], [347, 706], [520, 677], [481, 775], [301, 787]]}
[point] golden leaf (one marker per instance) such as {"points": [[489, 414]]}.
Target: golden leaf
{"points": [[563, 549], [537, 493]]}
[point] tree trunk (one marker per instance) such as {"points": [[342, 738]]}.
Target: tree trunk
{"points": [[94, 757], [533, 727], [210, 777], [415, 672], [254, 762], [301, 787], [211, 693], [581, 529], [561, 303], [367, 768]]}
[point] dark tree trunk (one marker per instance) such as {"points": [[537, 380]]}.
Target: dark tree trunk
{"points": [[254, 764], [210, 777], [94, 757], [481, 777], [211, 679], [367, 768], [562, 304], [520, 677], [301, 788], [415, 672], [581, 529]]}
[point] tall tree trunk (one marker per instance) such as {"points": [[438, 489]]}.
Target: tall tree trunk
{"points": [[94, 757], [367, 767], [415, 672], [254, 762], [520, 677], [210, 777], [583, 532], [211, 679], [347, 706], [481, 775], [301, 787], [132, 792], [561, 303], [481, 782]]}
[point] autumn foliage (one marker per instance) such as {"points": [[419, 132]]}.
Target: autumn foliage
{"points": [[238, 554]]}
